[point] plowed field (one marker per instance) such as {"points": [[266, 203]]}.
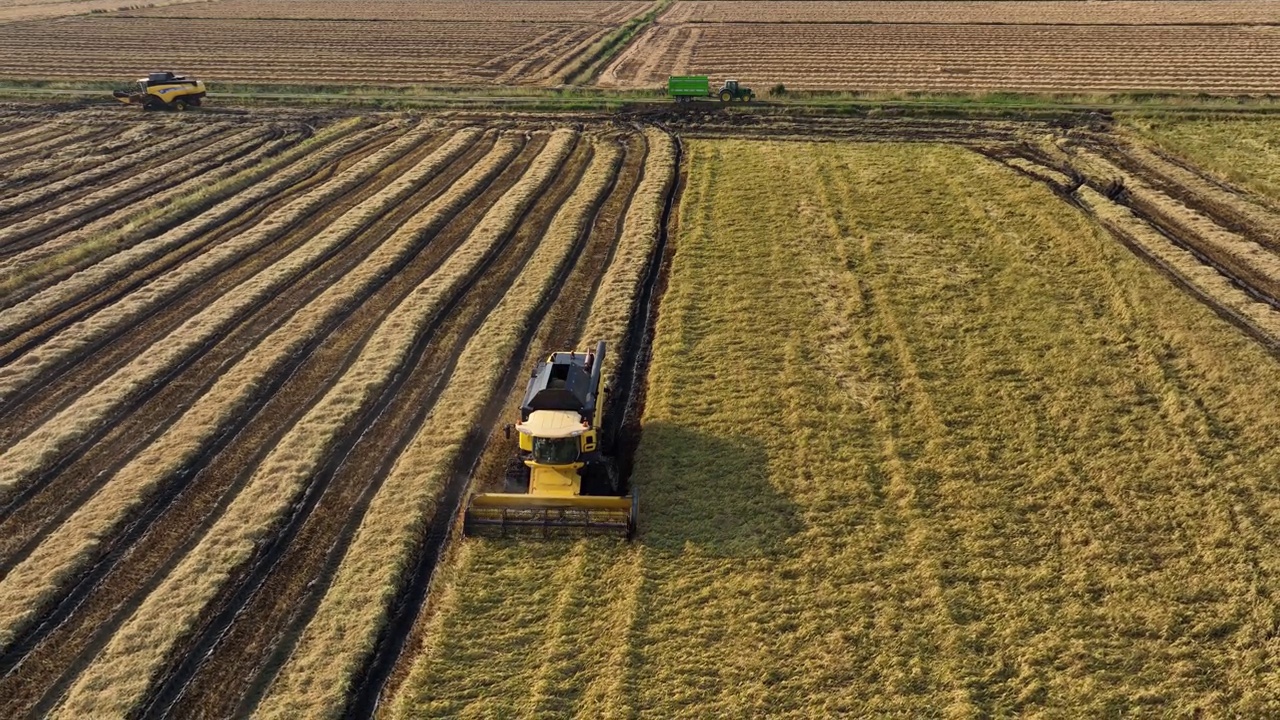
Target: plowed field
{"points": [[941, 57], [385, 42], [233, 439], [589, 11], [979, 12]]}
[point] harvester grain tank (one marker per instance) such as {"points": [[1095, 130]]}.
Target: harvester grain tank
{"points": [[163, 91], [685, 88], [560, 478]]}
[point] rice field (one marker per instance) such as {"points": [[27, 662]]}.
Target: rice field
{"points": [[919, 437]]}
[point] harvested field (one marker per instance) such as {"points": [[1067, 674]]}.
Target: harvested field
{"points": [[907, 447], [207, 446], [982, 12], [924, 57], [601, 12], [396, 43], [24, 10]]}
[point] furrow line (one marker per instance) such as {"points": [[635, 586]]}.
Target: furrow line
{"points": [[69, 204], [255, 630], [225, 158], [48, 289], [348, 631]]}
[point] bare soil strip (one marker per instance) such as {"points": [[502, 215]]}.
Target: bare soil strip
{"points": [[325, 666], [72, 207], [77, 422]]}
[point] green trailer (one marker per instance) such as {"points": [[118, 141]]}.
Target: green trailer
{"points": [[685, 88]]}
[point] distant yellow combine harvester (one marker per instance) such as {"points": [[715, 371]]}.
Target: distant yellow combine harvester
{"points": [[164, 91], [560, 480]]}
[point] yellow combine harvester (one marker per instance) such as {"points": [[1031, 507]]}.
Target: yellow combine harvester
{"points": [[164, 91], [560, 480]]}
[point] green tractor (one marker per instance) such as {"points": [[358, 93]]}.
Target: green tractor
{"points": [[685, 88]]}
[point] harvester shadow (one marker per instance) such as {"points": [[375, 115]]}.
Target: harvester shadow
{"points": [[711, 492]]}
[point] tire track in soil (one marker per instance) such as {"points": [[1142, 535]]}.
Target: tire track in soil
{"points": [[91, 612], [126, 202], [23, 525], [561, 328], [445, 525], [1068, 194], [256, 632], [127, 167], [34, 286], [23, 179], [32, 406], [15, 181]]}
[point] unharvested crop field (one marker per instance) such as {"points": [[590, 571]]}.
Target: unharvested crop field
{"points": [[241, 399], [919, 438], [980, 12], [1244, 152], [388, 42], [945, 57]]}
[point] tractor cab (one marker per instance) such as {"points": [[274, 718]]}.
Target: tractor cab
{"points": [[733, 90]]}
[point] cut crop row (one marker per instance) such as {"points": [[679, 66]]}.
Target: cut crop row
{"points": [[175, 607], [978, 12], [307, 357]]}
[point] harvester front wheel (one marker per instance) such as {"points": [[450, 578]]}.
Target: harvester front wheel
{"points": [[179, 104], [517, 476], [600, 479]]}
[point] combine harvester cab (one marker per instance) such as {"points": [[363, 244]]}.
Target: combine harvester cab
{"points": [[560, 481], [164, 91]]}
